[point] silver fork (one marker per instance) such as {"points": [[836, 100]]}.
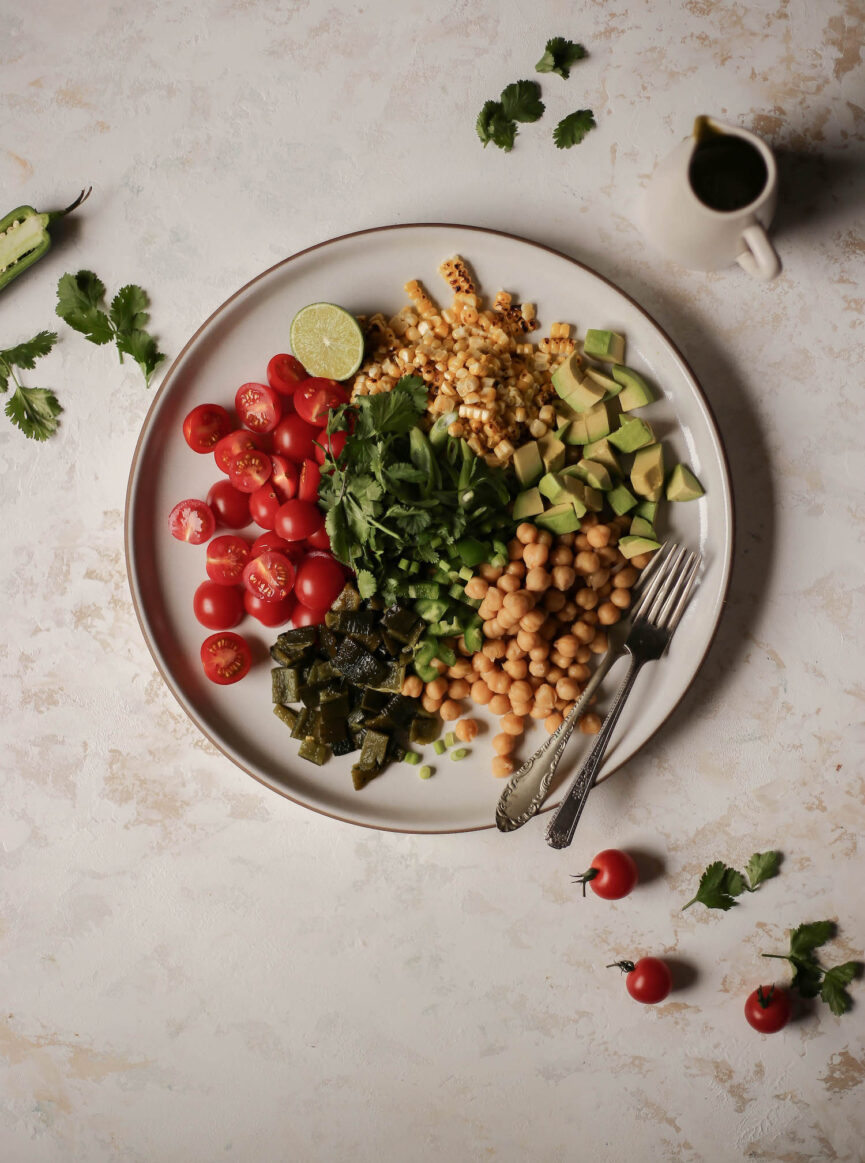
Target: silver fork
{"points": [[661, 608]]}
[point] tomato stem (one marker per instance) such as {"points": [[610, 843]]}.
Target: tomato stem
{"points": [[625, 966], [765, 999], [584, 878]]}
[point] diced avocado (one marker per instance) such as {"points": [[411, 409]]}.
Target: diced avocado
{"points": [[606, 345], [528, 464], [595, 474], [584, 396], [576, 433], [601, 451], [568, 375], [573, 490], [635, 391], [683, 485], [621, 500], [631, 546], [560, 487], [552, 452], [640, 527], [528, 504], [647, 472], [559, 519], [648, 510], [611, 388], [562, 431], [583, 495], [633, 433], [600, 421]]}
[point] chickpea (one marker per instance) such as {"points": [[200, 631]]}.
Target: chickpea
{"points": [[516, 667], [588, 521], [462, 668], [625, 578], [494, 650], [621, 599], [583, 655], [568, 645], [508, 583], [514, 650], [587, 561], [546, 694], [605, 591], [521, 692], [477, 588], [582, 541], [561, 555], [599, 578], [502, 766], [540, 652], [438, 665], [526, 533], [506, 621], [521, 710], [559, 660], [504, 744], [493, 601], [563, 577], [540, 711], [438, 688], [567, 539], [549, 630], [532, 621], [553, 722], [538, 580], [599, 644], [535, 555], [583, 632], [491, 573], [493, 629], [567, 689], [458, 689], [450, 709], [609, 556], [608, 614], [512, 724], [641, 560], [515, 550], [518, 603], [516, 569], [499, 682], [412, 688], [554, 674], [538, 669], [590, 724], [554, 600], [586, 598], [590, 617], [481, 664], [579, 672], [480, 692], [545, 537], [598, 536], [429, 704], [466, 730], [527, 639], [500, 704], [623, 521]]}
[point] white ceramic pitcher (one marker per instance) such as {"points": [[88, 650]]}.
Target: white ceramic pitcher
{"points": [[703, 226]]}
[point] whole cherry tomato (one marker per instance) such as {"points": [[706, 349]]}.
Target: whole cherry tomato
{"points": [[647, 980], [767, 1009], [612, 874]]}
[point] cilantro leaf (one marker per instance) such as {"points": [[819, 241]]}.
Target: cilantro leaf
{"points": [[572, 129], [762, 866], [337, 530], [494, 125], [521, 101], [128, 311], [78, 298], [806, 976], [142, 347], [833, 992], [559, 55], [366, 584], [34, 411], [808, 937], [809, 976], [717, 888], [24, 355]]}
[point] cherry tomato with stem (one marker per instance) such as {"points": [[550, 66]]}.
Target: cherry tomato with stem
{"points": [[258, 406], [269, 613], [250, 470], [310, 478], [304, 616], [192, 521], [333, 444], [284, 373], [767, 1009], [284, 477], [315, 397], [205, 426], [319, 581], [647, 980], [612, 874], [232, 444], [229, 504], [216, 606], [226, 657], [296, 520], [293, 438], [226, 557], [270, 576]]}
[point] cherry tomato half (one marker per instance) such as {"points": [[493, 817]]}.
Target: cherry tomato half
{"points": [[296, 520], [250, 469], [229, 446], [284, 477], [284, 373], [319, 582], [271, 540], [767, 1009], [217, 607], [304, 616], [270, 576], [226, 657], [229, 504], [647, 980], [333, 444], [205, 426], [319, 539], [269, 613], [263, 505], [612, 874], [192, 521], [315, 397], [226, 557], [293, 438], [310, 477], [258, 406]]}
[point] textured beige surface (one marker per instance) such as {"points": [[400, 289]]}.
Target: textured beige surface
{"points": [[192, 968]]}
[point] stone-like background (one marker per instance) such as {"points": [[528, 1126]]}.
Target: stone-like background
{"points": [[192, 968]]}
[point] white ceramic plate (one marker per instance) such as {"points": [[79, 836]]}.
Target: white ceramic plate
{"points": [[365, 272]]}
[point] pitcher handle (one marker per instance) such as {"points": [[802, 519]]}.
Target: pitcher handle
{"points": [[760, 259]]}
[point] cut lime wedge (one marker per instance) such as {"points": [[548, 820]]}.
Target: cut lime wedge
{"points": [[327, 340]]}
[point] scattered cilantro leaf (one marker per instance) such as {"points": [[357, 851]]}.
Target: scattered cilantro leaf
{"points": [[719, 884], [762, 866], [806, 938], [33, 410], [559, 55], [810, 979], [366, 585], [833, 992], [494, 125], [521, 101], [572, 129], [24, 355], [79, 303]]}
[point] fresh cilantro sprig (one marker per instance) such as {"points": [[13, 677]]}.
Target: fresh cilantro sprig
{"points": [[80, 300], [33, 410], [810, 979], [559, 55], [572, 129], [720, 884], [521, 101], [497, 121]]}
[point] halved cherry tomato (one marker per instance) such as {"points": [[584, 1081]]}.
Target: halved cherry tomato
{"points": [[293, 438], [315, 397], [229, 504], [271, 540], [319, 539], [767, 1009], [217, 607], [284, 373], [250, 469], [229, 446], [205, 426], [270, 576], [296, 520], [258, 406], [310, 477], [269, 613], [226, 657], [264, 504], [334, 444], [319, 581], [192, 521], [304, 616], [284, 477], [226, 557]]}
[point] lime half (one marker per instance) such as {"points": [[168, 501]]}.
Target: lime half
{"points": [[327, 340]]}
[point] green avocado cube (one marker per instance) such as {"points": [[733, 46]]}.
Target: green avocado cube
{"points": [[611, 388], [593, 473], [602, 452], [621, 500], [528, 504], [528, 464], [648, 510], [647, 472], [567, 376], [632, 546], [635, 391], [552, 452], [640, 527], [559, 519], [605, 345], [632, 433], [683, 485]]}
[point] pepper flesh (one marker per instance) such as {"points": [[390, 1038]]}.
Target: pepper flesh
{"points": [[25, 237]]}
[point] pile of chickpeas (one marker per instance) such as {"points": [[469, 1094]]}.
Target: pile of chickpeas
{"points": [[544, 615]]}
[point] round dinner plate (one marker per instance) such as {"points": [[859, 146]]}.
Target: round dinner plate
{"points": [[365, 272]]}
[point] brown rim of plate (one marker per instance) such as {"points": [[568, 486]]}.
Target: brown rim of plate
{"points": [[308, 250]]}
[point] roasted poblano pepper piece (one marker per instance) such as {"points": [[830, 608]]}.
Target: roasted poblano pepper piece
{"points": [[25, 237]]}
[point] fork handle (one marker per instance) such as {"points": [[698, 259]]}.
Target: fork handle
{"points": [[563, 825]]}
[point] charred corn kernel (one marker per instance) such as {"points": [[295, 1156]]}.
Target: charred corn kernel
{"points": [[503, 449], [425, 772]]}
